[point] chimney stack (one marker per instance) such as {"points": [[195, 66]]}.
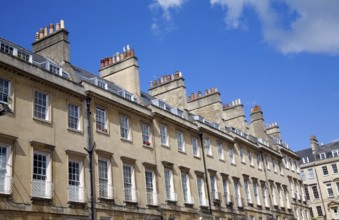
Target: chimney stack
{"points": [[53, 44], [233, 115], [314, 145], [256, 126]]}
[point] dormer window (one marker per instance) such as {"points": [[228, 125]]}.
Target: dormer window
{"points": [[178, 112], [54, 69], [23, 55], [102, 84], [164, 106], [305, 160], [335, 153], [322, 156], [126, 95], [6, 49]]}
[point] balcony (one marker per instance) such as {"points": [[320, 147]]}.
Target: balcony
{"points": [[189, 200], [42, 189], [228, 200], [171, 196], [130, 195], [106, 191], [76, 194], [152, 198], [239, 201], [203, 202], [216, 196], [6, 185]]}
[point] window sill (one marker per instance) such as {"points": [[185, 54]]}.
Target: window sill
{"points": [[182, 152], [102, 132], [43, 121], [126, 140], [75, 130], [252, 165], [233, 164], [209, 155], [222, 160], [147, 145], [197, 157], [166, 145], [243, 162]]}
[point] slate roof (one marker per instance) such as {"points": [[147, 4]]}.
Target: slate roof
{"points": [[326, 148]]}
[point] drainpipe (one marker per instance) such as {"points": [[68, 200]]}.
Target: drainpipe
{"points": [[89, 150], [206, 176], [269, 186]]}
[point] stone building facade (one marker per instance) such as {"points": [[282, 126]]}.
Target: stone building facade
{"points": [[156, 155], [319, 172]]}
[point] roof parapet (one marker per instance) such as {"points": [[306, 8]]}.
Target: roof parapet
{"points": [[199, 94], [118, 57]]}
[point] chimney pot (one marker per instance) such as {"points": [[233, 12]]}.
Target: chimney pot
{"points": [[45, 31], [110, 60], [62, 24], [102, 62], [57, 27], [132, 52], [256, 108], [37, 36], [51, 28], [106, 61]]}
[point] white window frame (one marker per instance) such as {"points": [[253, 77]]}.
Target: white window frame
{"points": [[151, 187], [334, 168], [242, 155], [250, 158], [38, 114], [214, 187], [302, 175], [273, 195], [335, 153], [325, 170], [288, 204], [146, 134], [109, 188], [248, 191], [226, 189], [220, 151], [208, 147], [125, 129], [201, 191], [281, 200], [47, 191], [237, 193], [264, 194], [195, 147], [129, 189], [315, 191], [186, 189], [256, 193], [310, 173], [3, 93], [305, 160], [259, 161], [181, 141], [163, 135], [81, 186], [73, 116], [7, 169], [322, 155], [329, 189], [231, 155], [169, 185], [101, 119]]}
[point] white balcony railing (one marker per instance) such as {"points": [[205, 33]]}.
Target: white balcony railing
{"points": [[189, 200], [130, 195], [171, 196], [152, 198], [42, 189], [106, 191], [6, 184], [203, 202], [76, 194]]}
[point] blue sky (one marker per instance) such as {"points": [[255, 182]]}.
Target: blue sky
{"points": [[279, 54]]}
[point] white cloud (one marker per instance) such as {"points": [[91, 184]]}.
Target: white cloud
{"points": [[313, 25], [164, 23]]}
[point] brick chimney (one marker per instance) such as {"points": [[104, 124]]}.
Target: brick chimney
{"points": [[53, 42], [314, 145], [208, 105], [257, 123], [171, 89], [122, 69], [233, 115]]}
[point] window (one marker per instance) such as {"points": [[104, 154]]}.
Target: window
{"points": [[201, 192], [273, 195], [214, 188], [124, 127], [169, 185], [105, 179], [42, 186], [73, 116], [146, 134], [274, 166], [325, 171], [293, 165], [163, 135], [305, 160], [40, 105], [259, 161], [302, 175], [267, 162], [311, 212], [186, 188], [6, 178], [130, 194], [329, 190], [287, 199], [101, 119], [5, 90], [281, 201], [307, 194], [54, 69], [220, 151], [286, 163], [319, 211], [315, 192], [310, 173], [242, 156], [231, 155], [264, 194], [76, 189], [322, 156], [281, 168], [250, 159], [337, 183], [335, 153], [256, 192], [180, 141], [290, 163], [335, 168], [152, 197], [238, 194], [247, 190], [226, 190], [195, 147], [6, 49], [207, 142]]}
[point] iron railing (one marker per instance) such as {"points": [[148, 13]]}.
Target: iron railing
{"points": [[42, 189], [216, 196], [239, 201], [152, 198], [130, 195], [171, 196], [106, 191], [6, 184], [203, 202], [189, 200], [76, 194]]}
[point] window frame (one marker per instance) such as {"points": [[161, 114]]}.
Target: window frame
{"points": [[220, 148], [164, 135], [9, 91], [195, 147], [8, 172], [45, 106], [125, 128], [208, 147], [74, 117], [146, 134], [101, 119], [109, 184], [180, 141]]}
